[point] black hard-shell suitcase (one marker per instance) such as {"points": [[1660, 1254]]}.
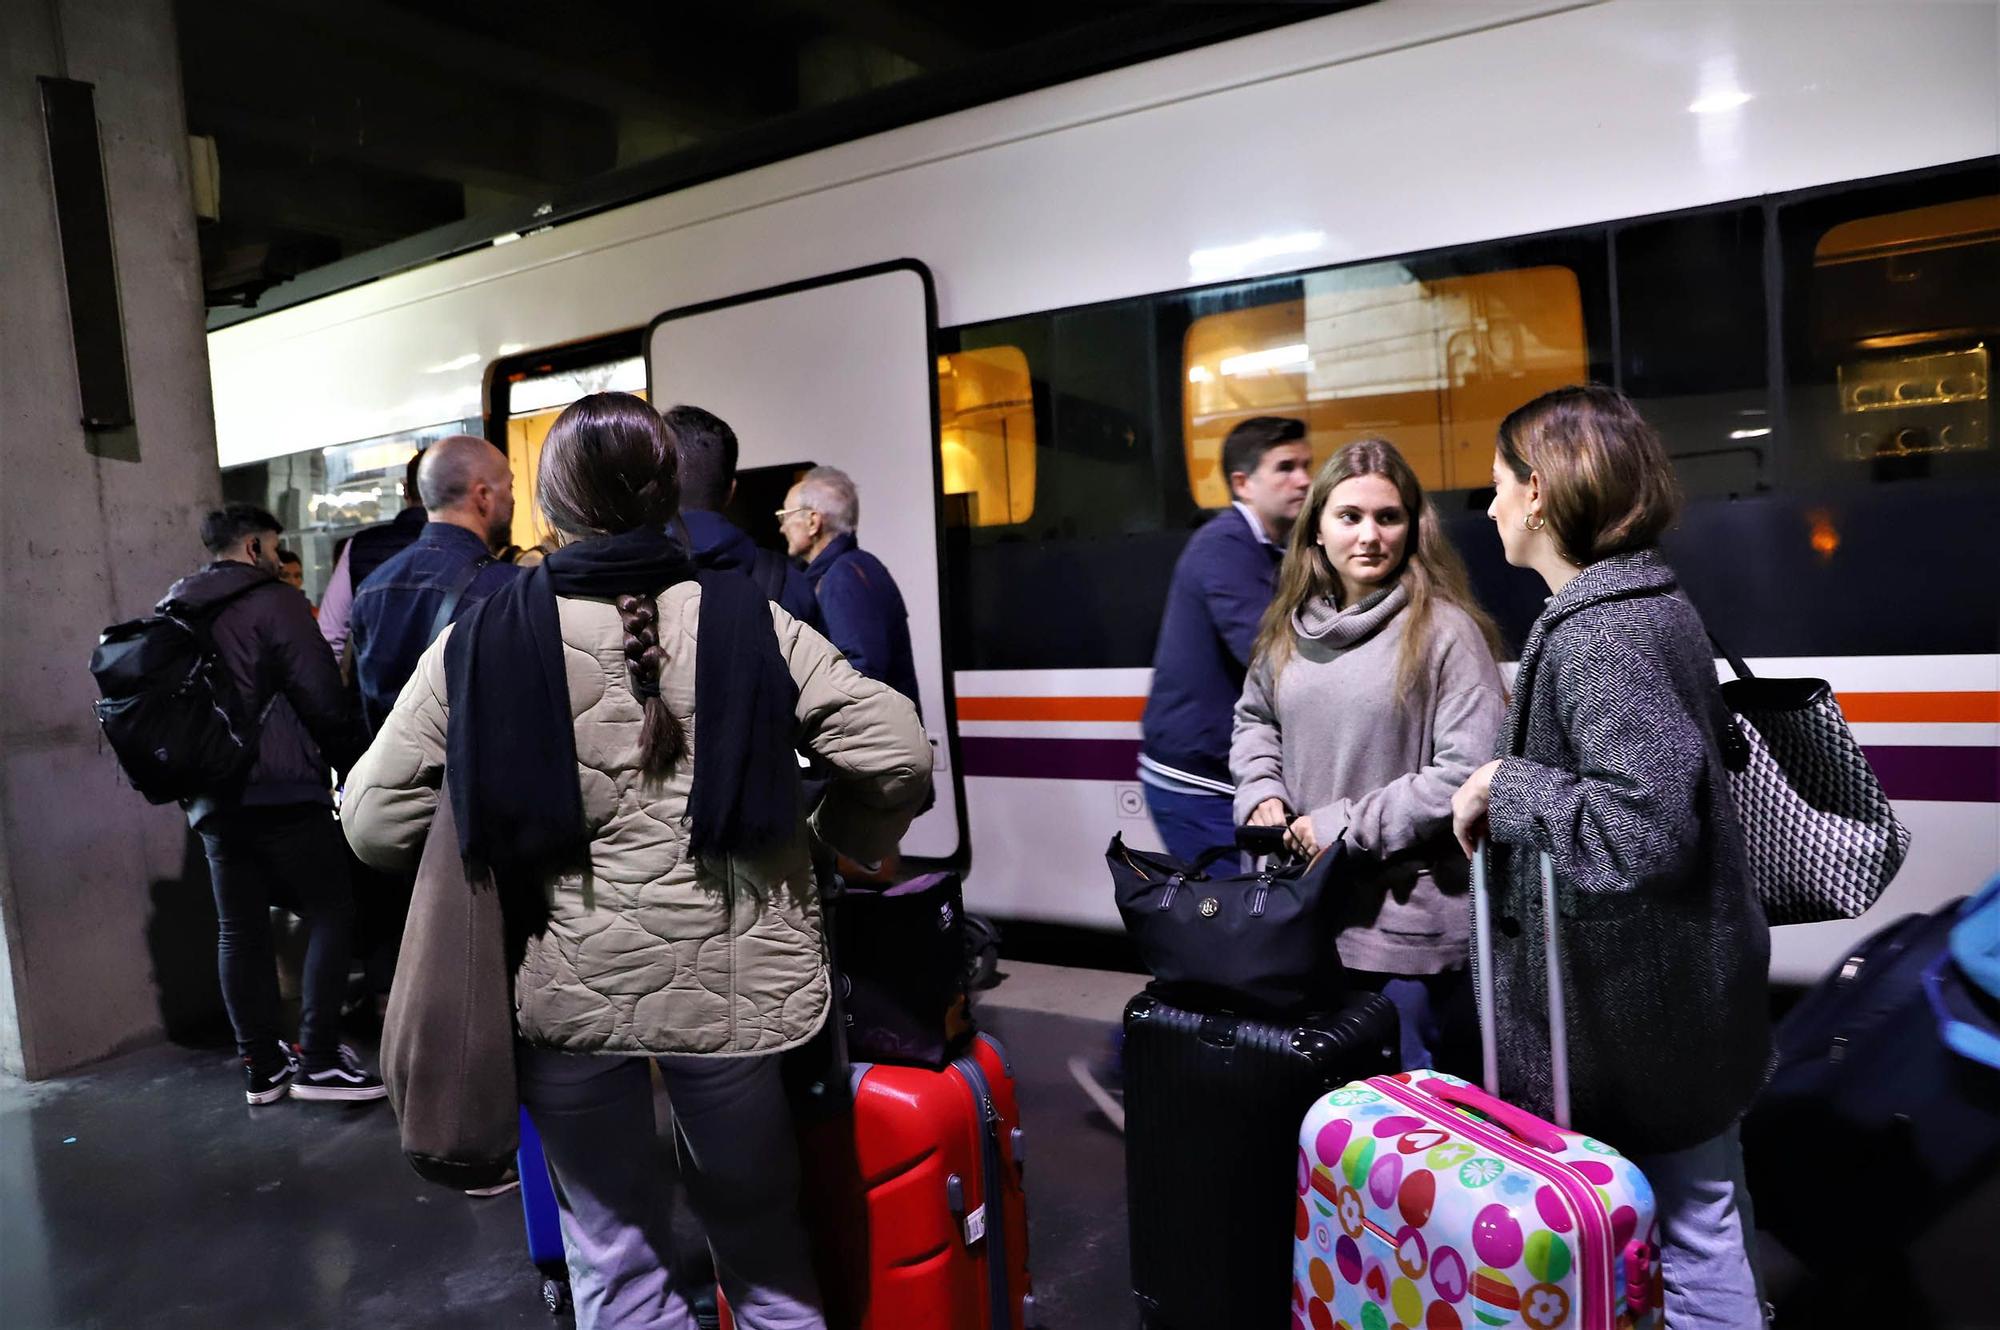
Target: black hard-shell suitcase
{"points": [[1212, 1110]]}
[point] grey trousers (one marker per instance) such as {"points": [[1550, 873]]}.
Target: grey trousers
{"points": [[1705, 1227], [739, 1164]]}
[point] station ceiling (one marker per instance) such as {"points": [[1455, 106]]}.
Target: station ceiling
{"points": [[344, 141]]}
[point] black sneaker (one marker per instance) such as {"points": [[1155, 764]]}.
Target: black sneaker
{"points": [[343, 1080], [267, 1083]]}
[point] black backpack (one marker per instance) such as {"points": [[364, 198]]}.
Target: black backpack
{"points": [[169, 708]]}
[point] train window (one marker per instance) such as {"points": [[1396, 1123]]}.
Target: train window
{"points": [[324, 495], [986, 438], [1420, 353], [1890, 343], [1692, 352], [535, 396]]}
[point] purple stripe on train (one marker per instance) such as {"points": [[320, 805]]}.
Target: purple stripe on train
{"points": [[1949, 774]]}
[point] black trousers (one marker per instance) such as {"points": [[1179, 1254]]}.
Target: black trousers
{"points": [[292, 856]]}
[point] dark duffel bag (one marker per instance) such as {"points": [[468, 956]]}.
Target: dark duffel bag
{"points": [[1212, 1110], [900, 951], [1252, 942], [1866, 1087]]}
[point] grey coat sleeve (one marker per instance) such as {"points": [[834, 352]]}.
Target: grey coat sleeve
{"points": [[1256, 746], [1416, 808], [1625, 817]]}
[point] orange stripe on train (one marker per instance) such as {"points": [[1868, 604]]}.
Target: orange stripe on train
{"points": [[1051, 708], [1934, 708], [1872, 708]]}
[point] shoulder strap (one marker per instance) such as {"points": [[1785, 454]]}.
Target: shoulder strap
{"points": [[455, 593], [768, 568]]}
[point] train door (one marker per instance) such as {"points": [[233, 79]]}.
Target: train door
{"points": [[841, 371]]}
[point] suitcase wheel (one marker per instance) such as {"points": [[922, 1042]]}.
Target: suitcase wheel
{"points": [[555, 1295]]}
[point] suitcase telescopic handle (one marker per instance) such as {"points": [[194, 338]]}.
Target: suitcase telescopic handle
{"points": [[1482, 955]]}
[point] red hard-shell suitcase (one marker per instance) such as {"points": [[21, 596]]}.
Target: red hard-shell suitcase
{"points": [[915, 1201]]}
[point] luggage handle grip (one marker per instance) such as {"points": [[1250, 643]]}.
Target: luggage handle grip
{"points": [[1526, 1127]]}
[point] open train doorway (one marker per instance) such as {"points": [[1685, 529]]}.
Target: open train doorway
{"points": [[840, 369]]}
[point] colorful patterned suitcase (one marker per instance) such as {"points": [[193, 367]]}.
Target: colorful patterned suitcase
{"points": [[1429, 1204]]}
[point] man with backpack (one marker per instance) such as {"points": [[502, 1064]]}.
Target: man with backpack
{"points": [[268, 828], [707, 449]]}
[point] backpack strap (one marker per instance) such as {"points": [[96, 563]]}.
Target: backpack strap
{"points": [[768, 570], [455, 593]]}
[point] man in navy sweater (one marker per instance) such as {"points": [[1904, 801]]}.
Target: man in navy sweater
{"points": [[1224, 579]]}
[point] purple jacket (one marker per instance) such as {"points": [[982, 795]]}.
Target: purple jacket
{"points": [[267, 640]]}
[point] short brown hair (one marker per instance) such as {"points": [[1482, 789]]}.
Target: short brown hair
{"points": [[1607, 486]]}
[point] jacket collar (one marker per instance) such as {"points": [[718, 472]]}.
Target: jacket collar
{"points": [[1619, 577], [215, 581], [447, 533], [836, 549]]}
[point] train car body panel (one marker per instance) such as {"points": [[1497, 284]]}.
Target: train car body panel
{"points": [[1105, 245]]}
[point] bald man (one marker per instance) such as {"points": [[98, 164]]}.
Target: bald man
{"points": [[468, 492]]}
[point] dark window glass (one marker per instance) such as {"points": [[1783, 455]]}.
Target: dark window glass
{"points": [[1691, 343]]}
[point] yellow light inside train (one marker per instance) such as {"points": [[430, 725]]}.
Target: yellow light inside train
{"points": [[1825, 539]]}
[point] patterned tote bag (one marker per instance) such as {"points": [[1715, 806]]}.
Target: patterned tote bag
{"points": [[1823, 841]]}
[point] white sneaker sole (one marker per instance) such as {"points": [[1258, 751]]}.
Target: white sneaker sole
{"points": [[1102, 1099], [349, 1093], [270, 1096]]}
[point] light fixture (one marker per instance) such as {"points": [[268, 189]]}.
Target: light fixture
{"points": [[1749, 433], [1719, 100], [1199, 374]]}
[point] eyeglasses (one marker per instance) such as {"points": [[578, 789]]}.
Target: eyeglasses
{"points": [[783, 513]]}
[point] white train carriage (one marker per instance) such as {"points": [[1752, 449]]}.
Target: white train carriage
{"points": [[1025, 328]]}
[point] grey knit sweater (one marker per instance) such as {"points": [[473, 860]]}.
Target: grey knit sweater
{"points": [[1330, 738], [1613, 765]]}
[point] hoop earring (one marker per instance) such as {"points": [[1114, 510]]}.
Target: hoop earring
{"points": [[1533, 522]]}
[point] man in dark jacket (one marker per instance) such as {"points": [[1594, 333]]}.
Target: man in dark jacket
{"points": [[370, 548], [1224, 579], [861, 603], [468, 494], [270, 836], [708, 450]]}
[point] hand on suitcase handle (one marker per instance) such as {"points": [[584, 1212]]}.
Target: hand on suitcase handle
{"points": [[1530, 1129]]}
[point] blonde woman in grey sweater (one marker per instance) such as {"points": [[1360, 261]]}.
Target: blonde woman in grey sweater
{"points": [[1372, 695]]}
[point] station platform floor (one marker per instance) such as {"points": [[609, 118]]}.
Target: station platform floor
{"points": [[145, 1193]]}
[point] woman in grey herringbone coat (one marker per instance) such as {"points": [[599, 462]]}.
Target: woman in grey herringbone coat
{"points": [[1611, 764]]}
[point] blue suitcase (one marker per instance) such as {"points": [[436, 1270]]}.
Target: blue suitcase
{"points": [[538, 1208]]}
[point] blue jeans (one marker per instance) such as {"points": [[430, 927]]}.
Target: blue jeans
{"points": [[1705, 1226], [1190, 823], [739, 1163]]}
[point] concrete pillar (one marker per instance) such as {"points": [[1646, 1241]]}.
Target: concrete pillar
{"points": [[92, 530]]}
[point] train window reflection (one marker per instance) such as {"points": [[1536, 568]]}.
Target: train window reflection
{"points": [[1430, 363], [986, 437], [324, 495], [1901, 314]]}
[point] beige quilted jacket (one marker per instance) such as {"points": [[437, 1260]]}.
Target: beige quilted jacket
{"points": [[650, 951]]}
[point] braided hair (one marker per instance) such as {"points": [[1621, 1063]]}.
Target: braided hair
{"points": [[609, 465]]}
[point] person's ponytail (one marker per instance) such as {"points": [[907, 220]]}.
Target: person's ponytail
{"points": [[662, 739]]}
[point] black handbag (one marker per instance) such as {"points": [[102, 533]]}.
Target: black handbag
{"points": [[1249, 942], [900, 958]]}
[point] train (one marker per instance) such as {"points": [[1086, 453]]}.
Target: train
{"points": [[1025, 328]]}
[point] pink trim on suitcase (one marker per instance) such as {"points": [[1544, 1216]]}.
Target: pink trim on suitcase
{"points": [[1588, 1207]]}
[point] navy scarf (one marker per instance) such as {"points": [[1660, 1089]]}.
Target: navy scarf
{"points": [[510, 750]]}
